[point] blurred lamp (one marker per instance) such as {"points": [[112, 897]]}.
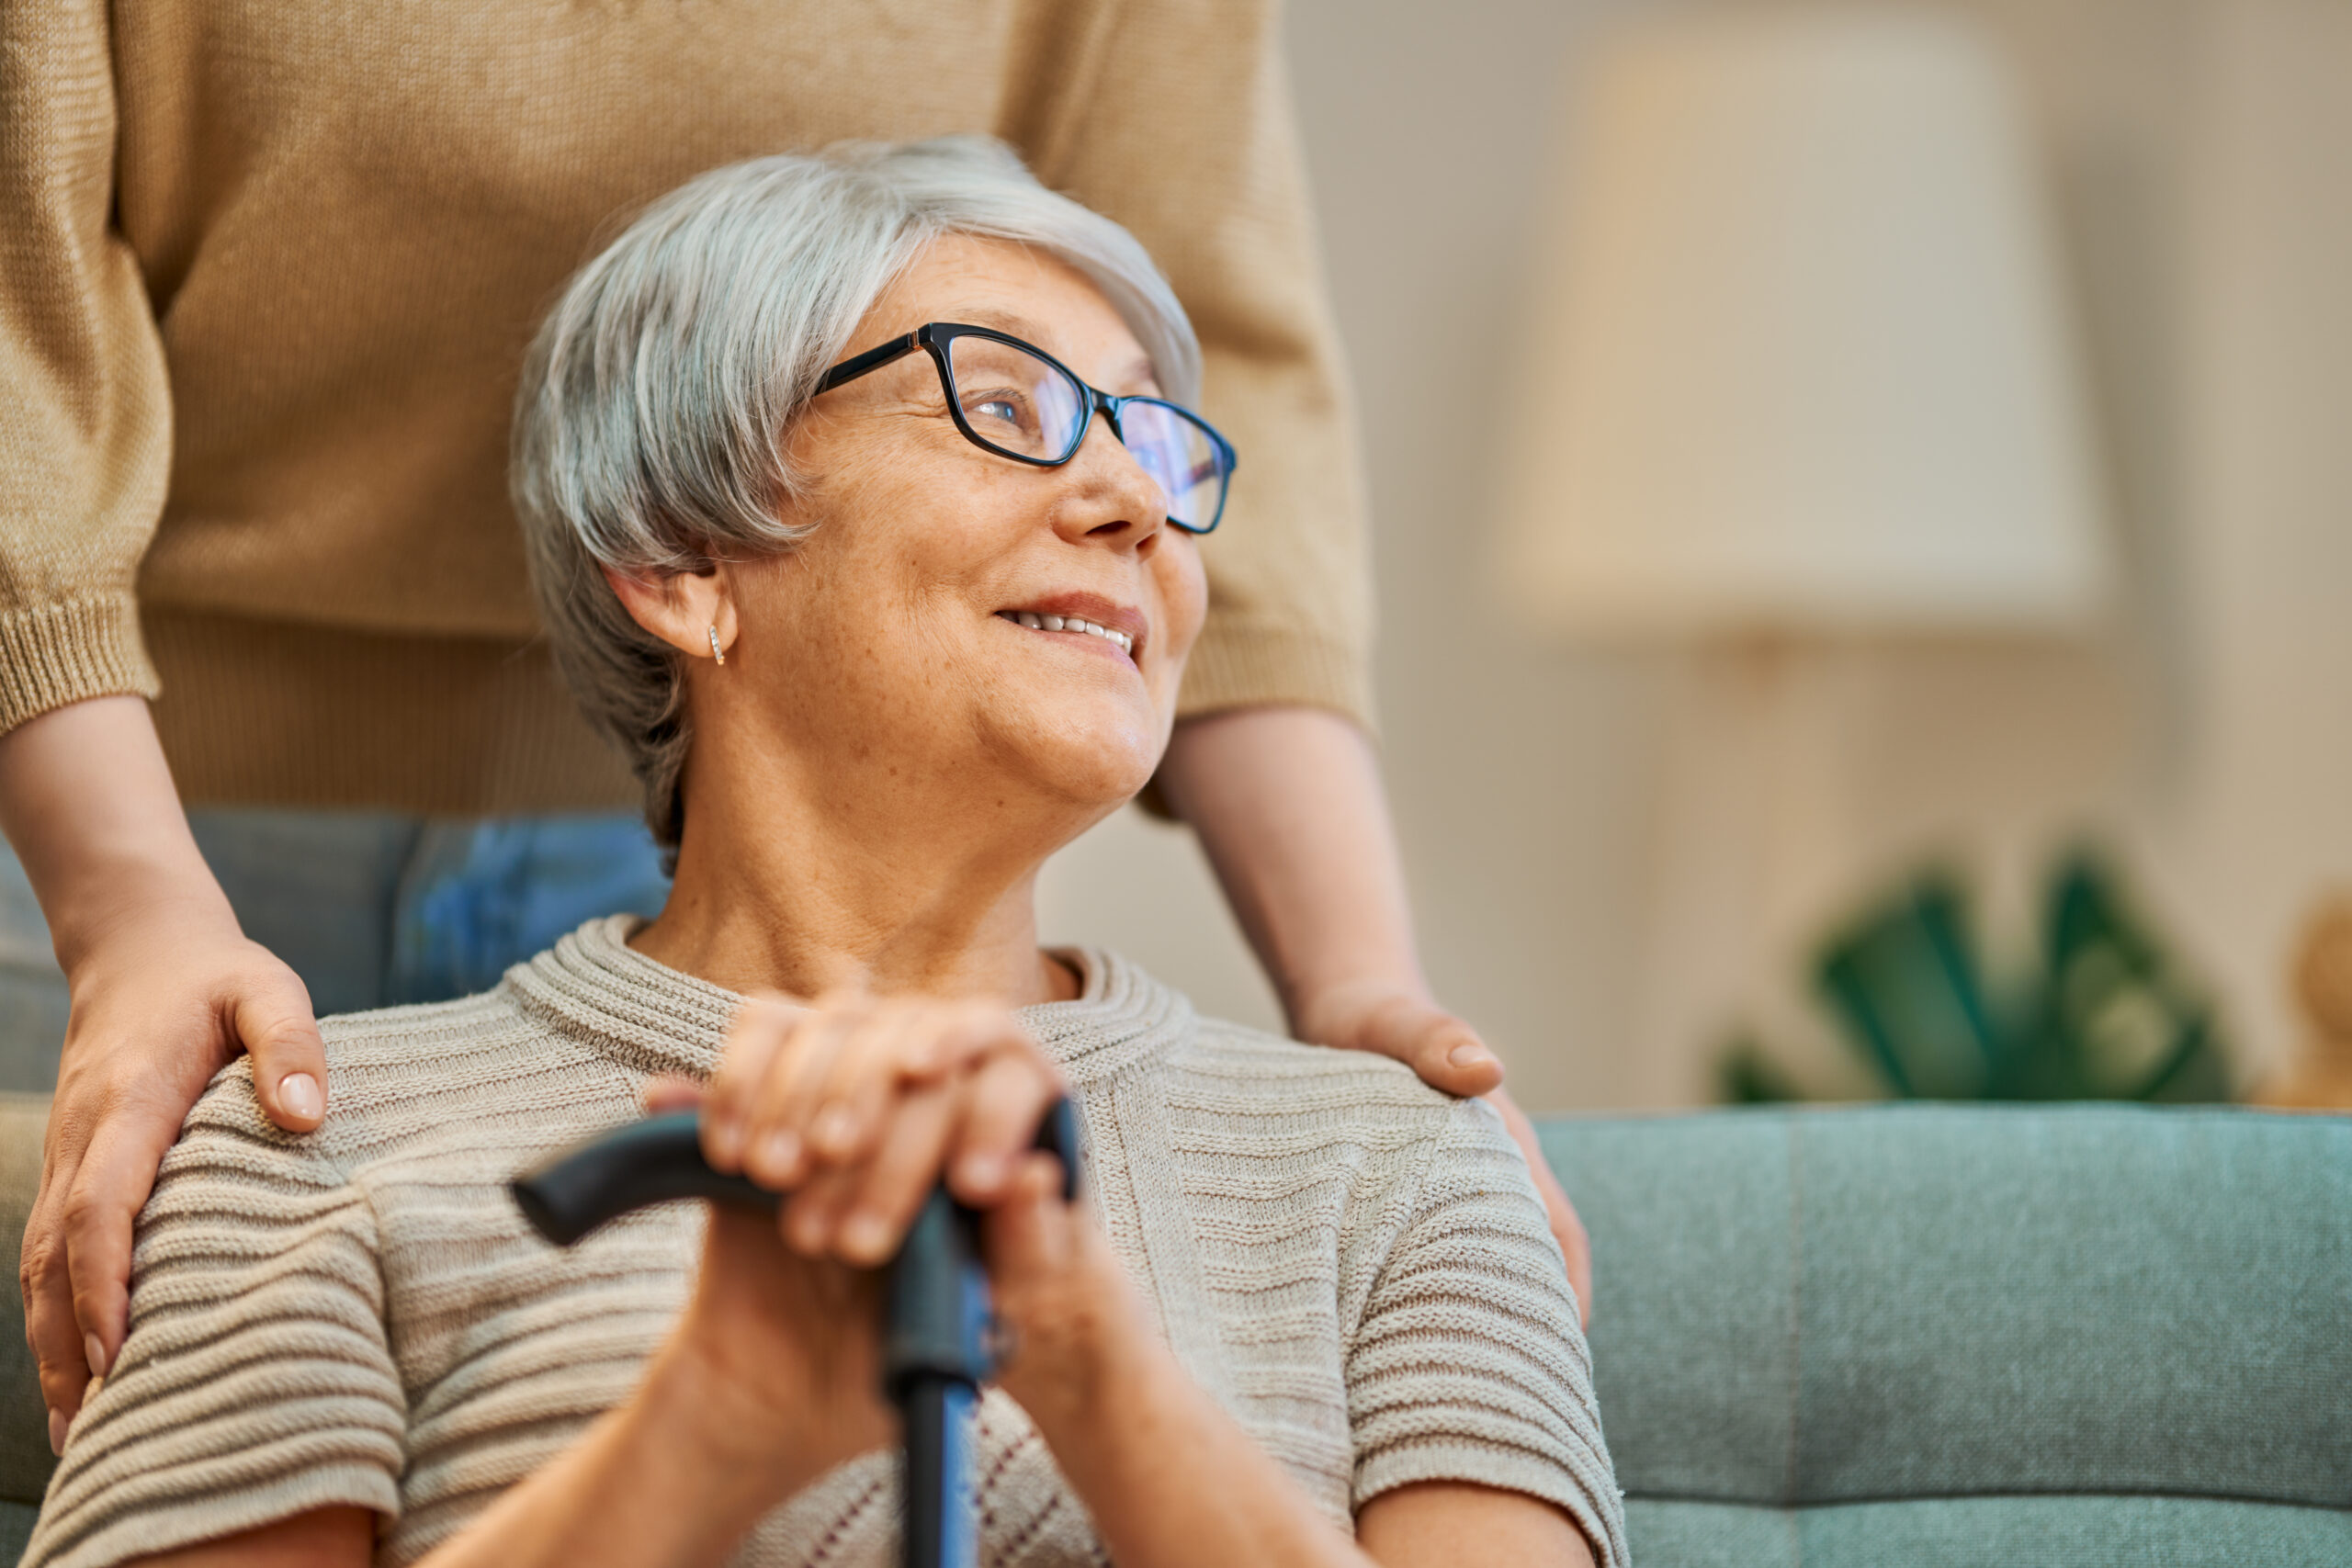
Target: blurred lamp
{"points": [[1801, 359]]}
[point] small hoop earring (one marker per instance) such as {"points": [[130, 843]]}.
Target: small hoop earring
{"points": [[716, 651]]}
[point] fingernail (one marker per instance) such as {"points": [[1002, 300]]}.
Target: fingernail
{"points": [[806, 1233], [297, 1094], [864, 1236], [1467, 1055], [982, 1173], [779, 1154], [96, 1350], [56, 1432], [832, 1130]]}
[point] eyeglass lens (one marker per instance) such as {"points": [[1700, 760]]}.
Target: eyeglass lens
{"points": [[1022, 404], [1015, 401]]}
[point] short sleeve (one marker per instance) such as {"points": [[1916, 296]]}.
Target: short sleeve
{"points": [[256, 1382], [1468, 1363]]}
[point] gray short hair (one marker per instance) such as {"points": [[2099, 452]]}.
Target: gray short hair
{"points": [[649, 429]]}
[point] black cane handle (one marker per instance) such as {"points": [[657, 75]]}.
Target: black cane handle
{"points": [[660, 1159]]}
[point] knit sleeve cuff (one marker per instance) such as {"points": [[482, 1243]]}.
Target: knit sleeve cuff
{"points": [[54, 654], [1257, 665], [1589, 1495], [232, 1511]]}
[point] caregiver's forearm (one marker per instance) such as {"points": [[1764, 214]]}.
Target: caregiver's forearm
{"points": [[1287, 802], [88, 800], [656, 1483], [1288, 805]]}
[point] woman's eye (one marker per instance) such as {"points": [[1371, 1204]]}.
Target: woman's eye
{"points": [[1006, 407]]}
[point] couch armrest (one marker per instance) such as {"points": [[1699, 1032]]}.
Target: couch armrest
{"points": [[25, 1459]]}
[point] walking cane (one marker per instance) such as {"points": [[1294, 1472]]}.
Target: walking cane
{"points": [[935, 1349]]}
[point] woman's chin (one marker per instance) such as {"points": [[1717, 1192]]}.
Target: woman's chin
{"points": [[1100, 777], [1093, 753], [1099, 787]]}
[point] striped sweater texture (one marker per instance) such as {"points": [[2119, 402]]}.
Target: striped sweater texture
{"points": [[1356, 1267]]}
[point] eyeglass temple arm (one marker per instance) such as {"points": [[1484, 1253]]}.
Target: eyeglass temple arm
{"points": [[874, 358]]}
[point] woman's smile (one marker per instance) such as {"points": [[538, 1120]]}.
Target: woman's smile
{"points": [[1087, 621]]}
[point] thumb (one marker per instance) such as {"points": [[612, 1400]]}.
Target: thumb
{"points": [[1444, 1051], [1028, 1235], [273, 1020]]}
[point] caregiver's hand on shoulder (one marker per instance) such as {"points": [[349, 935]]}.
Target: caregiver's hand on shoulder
{"points": [[165, 991], [1396, 1021], [1288, 805]]}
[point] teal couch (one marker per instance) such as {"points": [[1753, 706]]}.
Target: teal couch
{"points": [[1933, 1335], [2083, 1335]]}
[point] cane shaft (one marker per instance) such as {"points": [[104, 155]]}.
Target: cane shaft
{"points": [[934, 1414]]}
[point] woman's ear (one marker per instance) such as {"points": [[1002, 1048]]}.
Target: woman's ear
{"points": [[692, 611]]}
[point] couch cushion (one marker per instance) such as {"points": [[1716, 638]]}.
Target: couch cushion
{"points": [[25, 1459], [1827, 1307], [1694, 1331], [1967, 1532], [17, 1521]]}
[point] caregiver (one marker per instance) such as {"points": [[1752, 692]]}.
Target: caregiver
{"points": [[265, 280]]}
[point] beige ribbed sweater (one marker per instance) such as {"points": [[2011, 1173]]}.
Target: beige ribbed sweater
{"points": [[1356, 1267], [266, 273]]}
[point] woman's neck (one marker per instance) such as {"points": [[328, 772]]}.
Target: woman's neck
{"points": [[803, 902]]}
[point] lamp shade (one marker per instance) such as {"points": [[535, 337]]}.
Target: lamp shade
{"points": [[1800, 358]]}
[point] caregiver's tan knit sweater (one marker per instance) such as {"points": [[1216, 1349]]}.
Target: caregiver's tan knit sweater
{"points": [[1354, 1264], [266, 273]]}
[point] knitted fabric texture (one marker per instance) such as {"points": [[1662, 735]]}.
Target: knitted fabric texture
{"points": [[1353, 1265], [267, 278]]}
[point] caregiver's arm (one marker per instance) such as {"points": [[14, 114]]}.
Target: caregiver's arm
{"points": [[165, 990], [86, 453], [1288, 805]]}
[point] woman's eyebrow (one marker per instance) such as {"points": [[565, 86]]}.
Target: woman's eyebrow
{"points": [[1009, 321], [1138, 373]]}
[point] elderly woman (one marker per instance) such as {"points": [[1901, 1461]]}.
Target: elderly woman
{"points": [[865, 511]]}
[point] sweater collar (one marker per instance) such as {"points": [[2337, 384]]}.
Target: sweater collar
{"points": [[593, 985]]}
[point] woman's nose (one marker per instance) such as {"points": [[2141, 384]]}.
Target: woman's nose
{"points": [[1119, 502]]}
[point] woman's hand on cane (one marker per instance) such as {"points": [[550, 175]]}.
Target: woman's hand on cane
{"points": [[852, 1108], [857, 1106]]}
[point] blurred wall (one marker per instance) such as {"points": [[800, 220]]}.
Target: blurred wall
{"points": [[1573, 897]]}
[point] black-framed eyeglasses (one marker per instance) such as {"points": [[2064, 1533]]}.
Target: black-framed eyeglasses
{"points": [[1018, 401]]}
